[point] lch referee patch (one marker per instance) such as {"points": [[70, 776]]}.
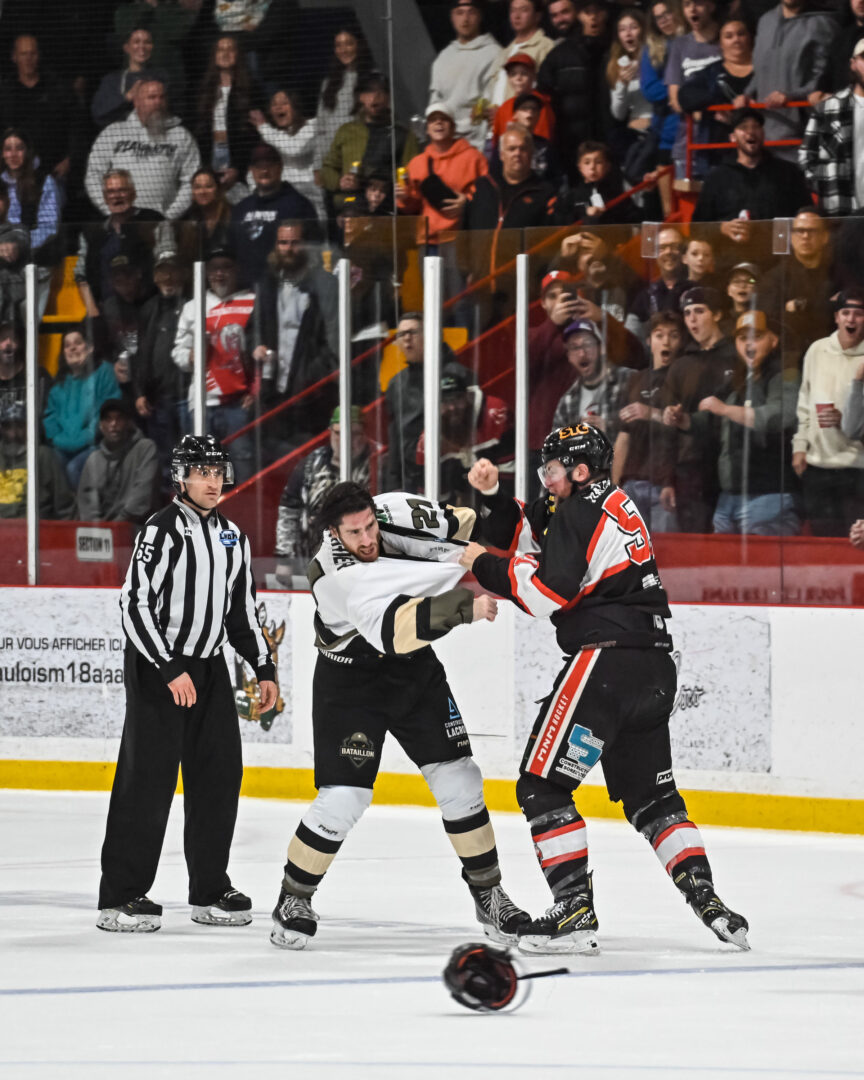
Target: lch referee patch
{"points": [[228, 537]]}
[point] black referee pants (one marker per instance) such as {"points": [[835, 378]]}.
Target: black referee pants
{"points": [[159, 737]]}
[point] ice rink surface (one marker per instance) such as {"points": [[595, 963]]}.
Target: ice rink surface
{"points": [[664, 998]]}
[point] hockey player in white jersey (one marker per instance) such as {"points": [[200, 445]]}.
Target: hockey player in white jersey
{"points": [[385, 587]]}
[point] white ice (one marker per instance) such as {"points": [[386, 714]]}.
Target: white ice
{"points": [[664, 998]]}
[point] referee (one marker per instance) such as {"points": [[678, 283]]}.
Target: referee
{"points": [[188, 590]]}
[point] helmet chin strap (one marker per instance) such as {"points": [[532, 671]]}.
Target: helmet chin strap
{"points": [[186, 497]]}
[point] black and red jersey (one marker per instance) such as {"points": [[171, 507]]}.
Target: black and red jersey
{"points": [[585, 562]]}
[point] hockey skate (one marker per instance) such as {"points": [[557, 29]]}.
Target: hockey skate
{"points": [[294, 921], [569, 926], [140, 916], [726, 924], [498, 915], [231, 909]]}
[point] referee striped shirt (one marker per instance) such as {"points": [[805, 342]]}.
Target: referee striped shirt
{"points": [[189, 588]]}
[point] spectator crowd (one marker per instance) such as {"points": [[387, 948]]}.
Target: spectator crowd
{"points": [[726, 367]]}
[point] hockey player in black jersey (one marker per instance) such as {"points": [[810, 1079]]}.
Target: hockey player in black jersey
{"points": [[384, 582], [581, 556]]}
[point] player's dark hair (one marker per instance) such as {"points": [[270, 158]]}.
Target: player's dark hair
{"points": [[345, 498]]}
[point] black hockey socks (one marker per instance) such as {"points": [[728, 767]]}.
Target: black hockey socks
{"points": [[309, 858], [676, 841], [473, 840]]}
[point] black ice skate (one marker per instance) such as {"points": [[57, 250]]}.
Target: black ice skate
{"points": [[139, 916], [294, 921], [498, 915], [231, 909], [569, 926], [713, 912]]}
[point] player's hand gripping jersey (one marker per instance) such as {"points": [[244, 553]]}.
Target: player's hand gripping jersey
{"points": [[585, 562], [405, 599]]}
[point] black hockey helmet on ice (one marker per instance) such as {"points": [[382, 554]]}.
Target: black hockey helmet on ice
{"points": [[481, 977], [577, 444], [200, 450]]}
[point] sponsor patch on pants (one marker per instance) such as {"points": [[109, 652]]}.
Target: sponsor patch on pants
{"points": [[664, 777], [358, 748]]}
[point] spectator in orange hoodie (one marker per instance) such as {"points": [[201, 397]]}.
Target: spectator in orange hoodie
{"points": [[437, 186], [441, 178]]}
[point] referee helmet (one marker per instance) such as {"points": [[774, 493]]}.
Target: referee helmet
{"points": [[199, 451]]}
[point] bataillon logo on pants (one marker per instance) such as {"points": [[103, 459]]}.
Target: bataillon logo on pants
{"points": [[358, 748]]}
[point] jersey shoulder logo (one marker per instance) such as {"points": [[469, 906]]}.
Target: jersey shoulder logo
{"points": [[228, 537]]}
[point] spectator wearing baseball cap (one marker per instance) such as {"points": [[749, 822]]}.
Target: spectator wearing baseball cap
{"points": [[522, 79], [461, 71], [528, 108], [756, 184], [550, 374], [599, 392], [830, 155], [440, 179], [474, 425], [526, 22], [256, 218], [703, 369], [827, 453], [741, 286], [118, 482], [752, 422]]}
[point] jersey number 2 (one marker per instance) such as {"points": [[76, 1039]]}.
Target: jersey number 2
{"points": [[423, 514], [619, 507]]}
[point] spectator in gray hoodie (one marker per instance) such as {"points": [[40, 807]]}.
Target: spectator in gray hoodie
{"points": [[119, 478], [460, 72], [155, 148], [790, 56]]}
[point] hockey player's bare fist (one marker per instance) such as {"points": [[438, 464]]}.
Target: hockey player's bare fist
{"points": [[483, 475], [485, 607], [471, 552]]}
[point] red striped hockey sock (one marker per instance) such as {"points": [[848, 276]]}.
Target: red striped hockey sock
{"points": [[561, 844]]}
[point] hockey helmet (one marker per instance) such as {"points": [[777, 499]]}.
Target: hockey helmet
{"points": [[581, 443], [201, 451], [481, 977]]}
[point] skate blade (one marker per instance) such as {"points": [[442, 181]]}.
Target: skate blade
{"points": [[734, 937], [288, 939], [112, 921], [499, 936], [580, 941], [213, 916]]}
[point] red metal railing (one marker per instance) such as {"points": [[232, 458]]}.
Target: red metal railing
{"points": [[692, 147]]}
